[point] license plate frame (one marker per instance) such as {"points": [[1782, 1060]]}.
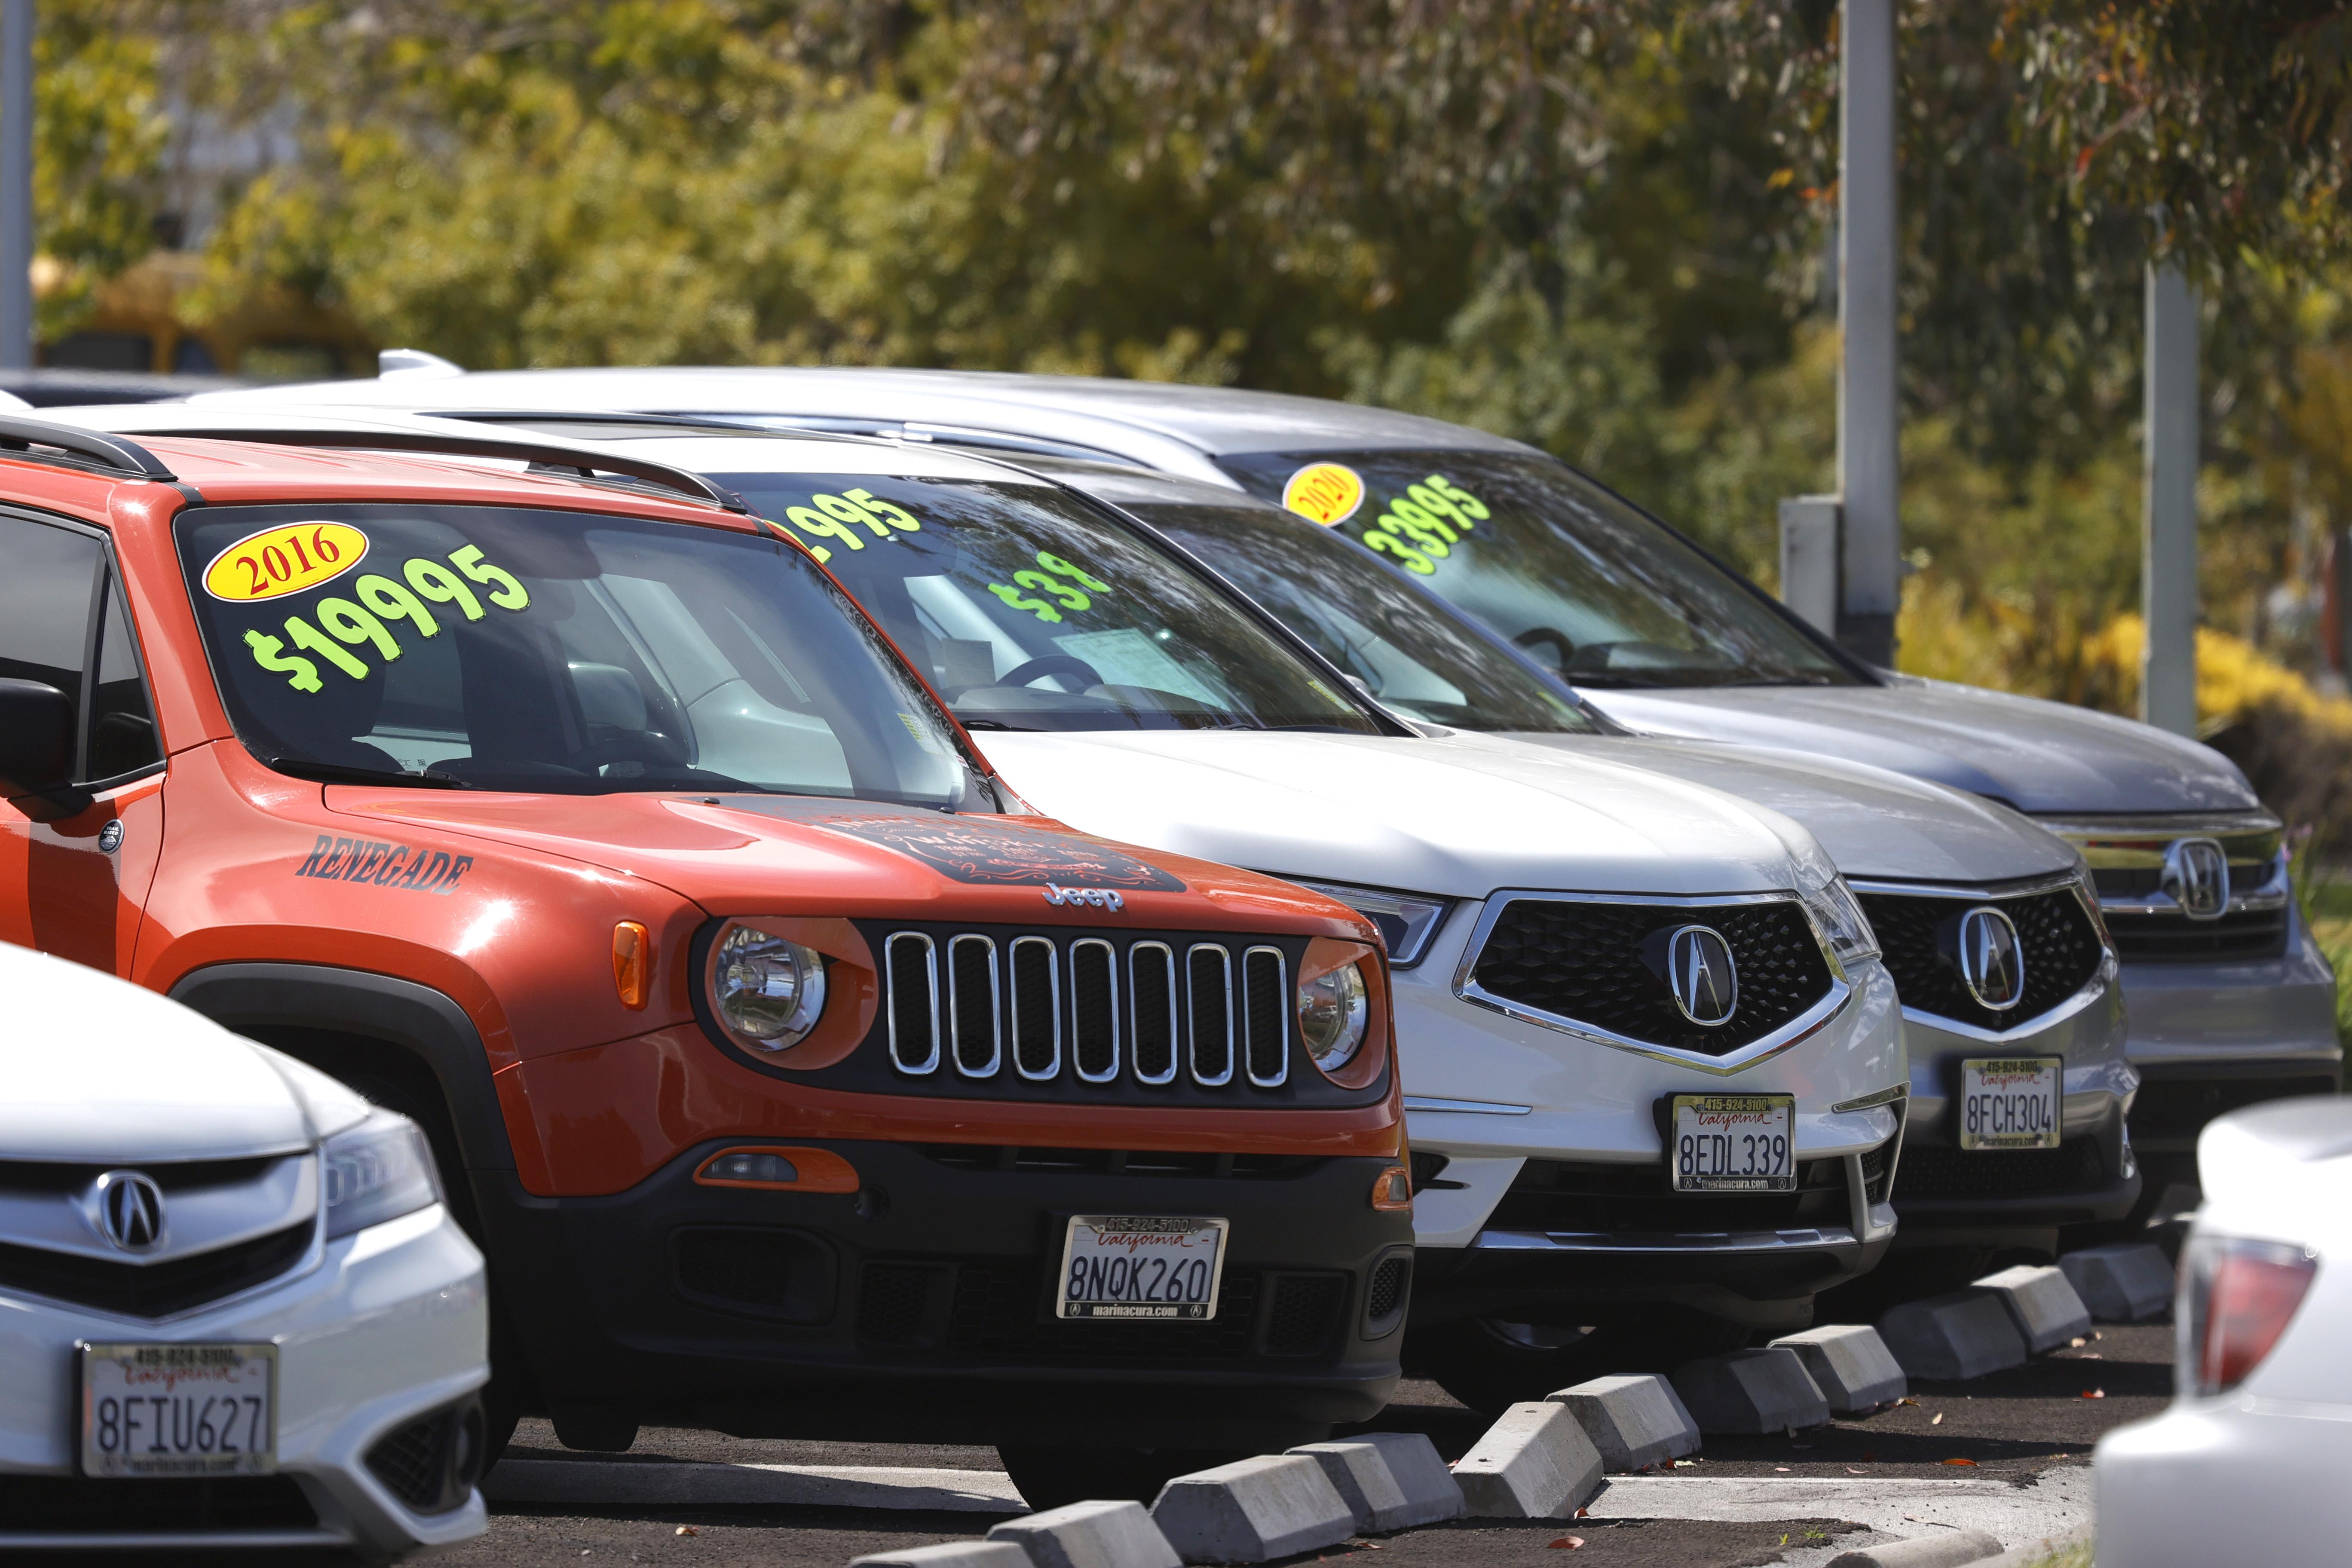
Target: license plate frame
{"points": [[1763, 1111], [116, 1440], [1973, 1071], [1114, 1293]]}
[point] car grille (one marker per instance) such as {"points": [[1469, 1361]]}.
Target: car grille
{"points": [[1938, 1171], [155, 1289], [1920, 939], [1568, 1197], [1386, 1297], [2169, 1107], [1585, 962], [431, 1463], [2177, 939], [1091, 1018], [73, 1505]]}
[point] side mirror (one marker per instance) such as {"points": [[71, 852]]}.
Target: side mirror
{"points": [[36, 748]]}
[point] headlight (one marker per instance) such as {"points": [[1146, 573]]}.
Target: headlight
{"points": [[1407, 921], [767, 990], [378, 1170], [1837, 915], [1333, 1011]]}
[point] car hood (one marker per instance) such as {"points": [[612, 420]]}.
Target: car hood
{"points": [[2046, 758], [99, 1072], [779, 854], [1458, 817], [1873, 823]]}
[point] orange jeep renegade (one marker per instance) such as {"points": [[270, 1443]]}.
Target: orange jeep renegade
{"points": [[796, 1079]]}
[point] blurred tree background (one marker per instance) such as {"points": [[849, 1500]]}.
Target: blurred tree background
{"points": [[1601, 228]]}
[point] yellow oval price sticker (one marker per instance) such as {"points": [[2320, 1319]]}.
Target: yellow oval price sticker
{"points": [[1327, 493], [286, 559]]}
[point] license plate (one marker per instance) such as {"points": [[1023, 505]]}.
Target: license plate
{"points": [[1141, 1266], [2009, 1102], [1734, 1143], [179, 1410]]}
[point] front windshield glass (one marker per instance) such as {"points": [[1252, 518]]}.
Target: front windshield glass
{"points": [[1407, 649], [1583, 581], [1032, 611], [547, 651]]}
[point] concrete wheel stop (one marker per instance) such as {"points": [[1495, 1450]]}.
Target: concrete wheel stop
{"points": [[1634, 1419], [1749, 1392], [1850, 1364], [1535, 1462], [1390, 1481], [1952, 1338]]}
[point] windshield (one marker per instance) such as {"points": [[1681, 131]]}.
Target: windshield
{"points": [[1407, 649], [1580, 580], [1032, 611], [547, 651]]}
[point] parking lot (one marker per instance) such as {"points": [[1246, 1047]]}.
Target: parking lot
{"points": [[2000, 1453]]}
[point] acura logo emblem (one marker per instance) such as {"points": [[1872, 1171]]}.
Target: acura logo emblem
{"points": [[1702, 976], [1991, 962], [130, 1210], [2196, 876]]}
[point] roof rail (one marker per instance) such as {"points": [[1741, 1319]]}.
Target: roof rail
{"points": [[382, 438], [71, 447]]}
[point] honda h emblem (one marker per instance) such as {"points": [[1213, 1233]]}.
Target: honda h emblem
{"points": [[1702, 976], [2196, 876], [130, 1210], [1991, 962]]}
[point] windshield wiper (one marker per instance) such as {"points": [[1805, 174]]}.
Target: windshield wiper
{"points": [[336, 773], [995, 724]]}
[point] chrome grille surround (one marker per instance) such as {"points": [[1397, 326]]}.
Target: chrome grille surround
{"points": [[965, 1002], [1805, 1024], [1091, 956], [1030, 1000], [915, 1017], [1149, 979], [1255, 1041], [2102, 977], [1209, 1002]]}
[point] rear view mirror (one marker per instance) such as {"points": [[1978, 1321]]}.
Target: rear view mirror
{"points": [[37, 747]]}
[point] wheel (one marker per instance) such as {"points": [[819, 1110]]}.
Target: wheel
{"points": [[1490, 1363], [1048, 1476]]}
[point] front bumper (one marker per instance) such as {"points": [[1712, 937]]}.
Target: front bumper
{"points": [[383, 1327], [918, 1307], [2212, 1038], [1525, 1115], [1946, 1195]]}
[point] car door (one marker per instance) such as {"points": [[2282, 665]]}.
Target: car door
{"points": [[75, 873]]}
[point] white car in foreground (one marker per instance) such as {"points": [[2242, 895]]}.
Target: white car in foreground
{"points": [[2248, 1464], [233, 1312]]}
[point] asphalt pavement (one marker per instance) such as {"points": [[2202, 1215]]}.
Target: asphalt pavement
{"points": [[2010, 1447]]}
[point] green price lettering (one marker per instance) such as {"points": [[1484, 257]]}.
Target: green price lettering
{"points": [[1055, 563], [1070, 597], [510, 595], [900, 518], [269, 653], [1013, 596], [382, 605], [1473, 509], [1411, 560]]}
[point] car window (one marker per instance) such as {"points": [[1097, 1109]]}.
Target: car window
{"points": [[507, 648], [47, 594], [1408, 650], [1031, 610], [1583, 581], [123, 738]]}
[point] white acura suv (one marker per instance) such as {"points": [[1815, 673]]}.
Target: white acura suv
{"points": [[233, 1309]]}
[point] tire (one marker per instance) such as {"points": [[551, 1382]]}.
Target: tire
{"points": [[1490, 1363], [1049, 1476]]}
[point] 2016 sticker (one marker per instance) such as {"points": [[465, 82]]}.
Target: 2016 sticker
{"points": [[382, 604], [284, 560]]}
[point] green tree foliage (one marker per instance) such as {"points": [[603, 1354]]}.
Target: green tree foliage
{"points": [[101, 132]]}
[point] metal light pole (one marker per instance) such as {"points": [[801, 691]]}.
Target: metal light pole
{"points": [[1869, 402], [15, 184], [2167, 687], [1841, 555]]}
